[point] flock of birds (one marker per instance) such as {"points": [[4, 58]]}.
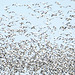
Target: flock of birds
{"points": [[37, 39]]}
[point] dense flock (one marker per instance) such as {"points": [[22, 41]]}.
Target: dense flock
{"points": [[37, 39]]}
